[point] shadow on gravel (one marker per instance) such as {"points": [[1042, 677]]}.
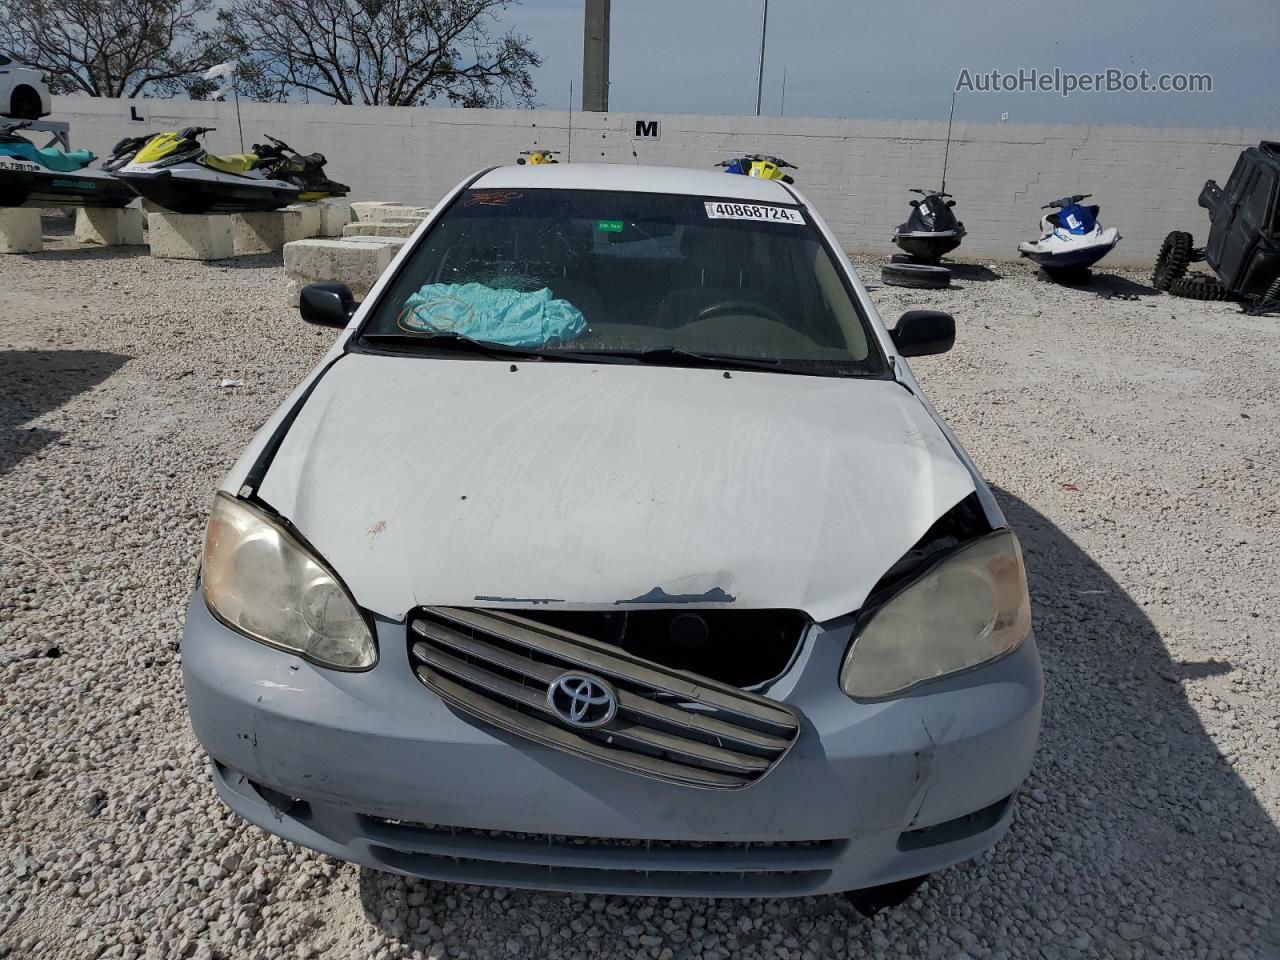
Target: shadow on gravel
{"points": [[1139, 796], [1134, 836], [255, 261], [975, 272], [37, 381], [54, 226], [1108, 286], [85, 254], [1112, 285]]}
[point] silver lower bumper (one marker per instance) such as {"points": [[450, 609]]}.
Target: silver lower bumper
{"points": [[375, 769]]}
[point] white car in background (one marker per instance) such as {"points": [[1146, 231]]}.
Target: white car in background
{"points": [[23, 92]]}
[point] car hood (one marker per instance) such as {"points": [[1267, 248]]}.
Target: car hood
{"points": [[479, 482]]}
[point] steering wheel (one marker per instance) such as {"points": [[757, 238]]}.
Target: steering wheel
{"points": [[279, 144], [739, 307]]}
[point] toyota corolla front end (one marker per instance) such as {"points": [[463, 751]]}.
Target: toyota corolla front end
{"points": [[597, 557]]}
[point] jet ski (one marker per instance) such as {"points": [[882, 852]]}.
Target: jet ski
{"points": [[32, 176], [1072, 240], [175, 171], [537, 158], [932, 230], [759, 165]]}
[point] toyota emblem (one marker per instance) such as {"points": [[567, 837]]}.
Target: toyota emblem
{"points": [[581, 700]]}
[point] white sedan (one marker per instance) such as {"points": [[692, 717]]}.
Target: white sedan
{"points": [[23, 92], [614, 547]]}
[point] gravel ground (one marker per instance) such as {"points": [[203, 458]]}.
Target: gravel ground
{"points": [[1130, 436]]}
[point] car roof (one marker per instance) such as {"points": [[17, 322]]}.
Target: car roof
{"points": [[637, 178]]}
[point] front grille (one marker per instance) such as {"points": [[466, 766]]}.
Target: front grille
{"points": [[719, 868], [669, 725]]}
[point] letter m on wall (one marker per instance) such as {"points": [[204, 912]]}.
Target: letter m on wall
{"points": [[647, 130]]}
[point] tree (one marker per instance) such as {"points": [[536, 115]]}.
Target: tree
{"points": [[382, 52], [109, 48]]}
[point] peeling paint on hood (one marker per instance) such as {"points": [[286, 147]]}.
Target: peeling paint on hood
{"points": [[461, 482]]}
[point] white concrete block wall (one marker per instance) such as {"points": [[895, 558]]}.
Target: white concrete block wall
{"points": [[857, 172]]}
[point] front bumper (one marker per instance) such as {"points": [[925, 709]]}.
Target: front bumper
{"points": [[374, 768]]}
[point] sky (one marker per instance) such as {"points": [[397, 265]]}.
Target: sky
{"points": [[901, 59]]}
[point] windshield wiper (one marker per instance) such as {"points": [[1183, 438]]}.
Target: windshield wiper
{"points": [[668, 355], [679, 357], [449, 341], [690, 358]]}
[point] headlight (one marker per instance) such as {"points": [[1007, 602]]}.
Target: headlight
{"points": [[258, 579], [968, 608]]}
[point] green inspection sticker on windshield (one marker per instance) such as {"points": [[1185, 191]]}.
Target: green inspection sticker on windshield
{"points": [[609, 226]]}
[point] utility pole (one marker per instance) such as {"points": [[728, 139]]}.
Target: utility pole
{"points": [[764, 28], [595, 56]]}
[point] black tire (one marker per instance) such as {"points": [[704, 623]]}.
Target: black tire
{"points": [[1171, 263], [25, 104], [1200, 286], [917, 275]]}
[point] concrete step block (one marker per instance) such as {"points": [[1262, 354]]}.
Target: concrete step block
{"points": [[394, 242], [399, 227], [362, 209], [20, 230], [335, 213], [191, 236], [266, 231], [395, 211], [357, 262], [110, 228], [310, 218]]}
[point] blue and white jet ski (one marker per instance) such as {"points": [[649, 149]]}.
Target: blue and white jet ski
{"points": [[1072, 240]]}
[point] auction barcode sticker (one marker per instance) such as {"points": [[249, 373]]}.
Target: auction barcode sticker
{"points": [[725, 210]]}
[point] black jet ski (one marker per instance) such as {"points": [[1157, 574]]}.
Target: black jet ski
{"points": [[175, 171], [32, 176], [932, 230]]}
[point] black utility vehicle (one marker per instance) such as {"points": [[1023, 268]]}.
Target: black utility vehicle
{"points": [[1244, 238]]}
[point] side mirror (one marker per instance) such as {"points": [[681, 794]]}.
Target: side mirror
{"points": [[327, 304], [920, 333], [951, 203], [915, 203]]}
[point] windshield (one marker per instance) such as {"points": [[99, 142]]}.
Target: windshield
{"points": [[629, 275]]}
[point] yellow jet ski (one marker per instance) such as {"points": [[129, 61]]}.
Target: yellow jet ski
{"points": [[175, 171]]}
